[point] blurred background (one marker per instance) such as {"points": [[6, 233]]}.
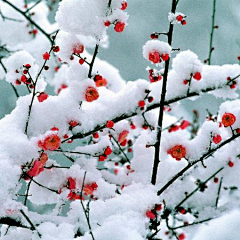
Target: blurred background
{"points": [[125, 49]]}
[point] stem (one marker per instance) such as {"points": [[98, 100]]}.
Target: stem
{"points": [[30, 222], [212, 32], [218, 193], [12, 222], [120, 148], [161, 103], [40, 185], [33, 6], [189, 85], [191, 224], [93, 60], [73, 152], [191, 164], [196, 189], [85, 211], [232, 79], [124, 116], [35, 85], [26, 196]]}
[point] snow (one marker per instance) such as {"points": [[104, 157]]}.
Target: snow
{"points": [[222, 228], [123, 192]]}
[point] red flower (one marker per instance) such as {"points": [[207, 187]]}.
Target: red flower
{"points": [[141, 103], [197, 76], [73, 196], [56, 48], [27, 66], [132, 126], [35, 170], [43, 159], [150, 214], [158, 207], [88, 190], [71, 183], [181, 236], [109, 124], [230, 164], [55, 129], [184, 124], [179, 18], [119, 26], [107, 23], [101, 83], [122, 136], [154, 36], [177, 152], [123, 143], [173, 128], [78, 48], [91, 94], [23, 78], [228, 119], [107, 151], [73, 123], [102, 158], [185, 82], [124, 5], [217, 139], [42, 97], [37, 167], [183, 22], [50, 143], [94, 185], [46, 56], [81, 61], [154, 57], [165, 57], [96, 135]]}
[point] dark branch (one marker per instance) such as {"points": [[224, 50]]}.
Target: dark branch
{"points": [[212, 32], [192, 163], [30, 222], [93, 60], [157, 145]]}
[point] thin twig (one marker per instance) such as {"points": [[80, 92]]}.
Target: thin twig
{"points": [[8, 18], [191, 224], [40, 185], [192, 163], [33, 6], [26, 196], [30, 222], [120, 148], [93, 60], [189, 85], [135, 113], [85, 211], [218, 193], [162, 103], [196, 189], [73, 152], [212, 32], [35, 86]]}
